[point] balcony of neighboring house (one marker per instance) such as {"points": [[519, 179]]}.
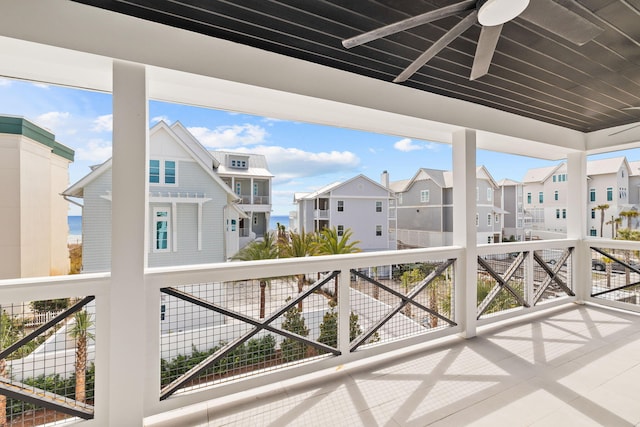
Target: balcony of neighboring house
{"points": [[321, 214]]}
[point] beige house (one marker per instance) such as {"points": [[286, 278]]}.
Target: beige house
{"points": [[34, 215]]}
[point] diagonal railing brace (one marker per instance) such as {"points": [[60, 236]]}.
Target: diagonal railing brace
{"points": [[175, 385], [552, 275], [501, 282], [405, 299]]}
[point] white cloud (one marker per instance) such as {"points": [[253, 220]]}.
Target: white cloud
{"points": [[5, 82], [41, 85], [406, 145], [96, 150], [230, 136], [158, 119], [52, 119], [103, 123], [291, 163]]}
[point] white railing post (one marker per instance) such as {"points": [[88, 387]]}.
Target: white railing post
{"points": [[464, 228], [128, 323], [577, 223], [344, 311]]}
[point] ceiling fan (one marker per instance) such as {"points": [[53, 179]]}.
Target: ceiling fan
{"points": [[629, 128], [491, 14]]}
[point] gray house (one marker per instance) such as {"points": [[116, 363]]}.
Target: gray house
{"points": [[193, 215], [510, 198], [425, 208], [360, 204]]}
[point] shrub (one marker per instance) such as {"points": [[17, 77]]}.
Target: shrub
{"points": [[293, 349]]}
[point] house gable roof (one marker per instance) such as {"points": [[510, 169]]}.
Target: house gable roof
{"points": [[190, 145], [607, 166], [335, 185], [540, 174]]}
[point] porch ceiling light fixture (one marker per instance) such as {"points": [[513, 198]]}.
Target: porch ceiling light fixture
{"points": [[497, 12]]}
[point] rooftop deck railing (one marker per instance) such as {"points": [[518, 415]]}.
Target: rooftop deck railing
{"points": [[214, 330]]}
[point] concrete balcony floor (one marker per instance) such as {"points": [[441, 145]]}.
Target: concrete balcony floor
{"points": [[573, 365]]}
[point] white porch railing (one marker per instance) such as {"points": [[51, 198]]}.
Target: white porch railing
{"points": [[320, 214], [211, 315]]}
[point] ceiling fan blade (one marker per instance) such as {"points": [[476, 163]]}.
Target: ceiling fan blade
{"points": [[440, 44], [408, 23], [561, 21], [624, 130], [484, 50]]}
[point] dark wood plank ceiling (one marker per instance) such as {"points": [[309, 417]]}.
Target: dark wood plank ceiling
{"points": [[534, 73]]}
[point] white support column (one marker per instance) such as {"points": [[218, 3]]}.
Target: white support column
{"points": [[127, 339], [464, 228], [577, 222]]}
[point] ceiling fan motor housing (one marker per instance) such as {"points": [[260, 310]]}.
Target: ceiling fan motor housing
{"points": [[497, 12]]}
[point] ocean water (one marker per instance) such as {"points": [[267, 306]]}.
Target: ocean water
{"points": [[282, 219], [75, 223]]}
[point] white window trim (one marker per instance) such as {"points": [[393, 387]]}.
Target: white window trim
{"points": [[489, 194], [424, 196], [379, 203], [170, 226], [378, 226], [162, 176]]}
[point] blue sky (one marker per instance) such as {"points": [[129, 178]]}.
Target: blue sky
{"points": [[303, 157]]}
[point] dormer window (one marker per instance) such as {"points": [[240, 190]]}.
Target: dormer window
{"points": [[239, 163]]}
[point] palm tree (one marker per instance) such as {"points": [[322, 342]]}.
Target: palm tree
{"points": [[602, 208], [408, 280], [80, 333], [265, 248], [628, 234], [615, 222], [629, 215], [330, 243], [298, 245]]}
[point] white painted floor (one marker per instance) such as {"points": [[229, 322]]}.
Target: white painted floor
{"points": [[574, 366]]}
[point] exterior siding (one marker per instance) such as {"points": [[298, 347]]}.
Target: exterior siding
{"points": [[192, 180], [359, 196], [426, 218], [96, 225], [412, 196]]}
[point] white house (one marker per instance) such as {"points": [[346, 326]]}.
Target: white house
{"points": [[35, 169], [249, 176], [193, 217], [360, 204], [546, 192]]}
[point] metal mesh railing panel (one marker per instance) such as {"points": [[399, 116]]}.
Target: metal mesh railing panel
{"points": [[379, 313], [216, 332], [615, 275], [47, 358], [493, 297]]}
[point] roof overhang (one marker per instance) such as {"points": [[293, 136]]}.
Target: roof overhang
{"points": [[72, 44]]}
